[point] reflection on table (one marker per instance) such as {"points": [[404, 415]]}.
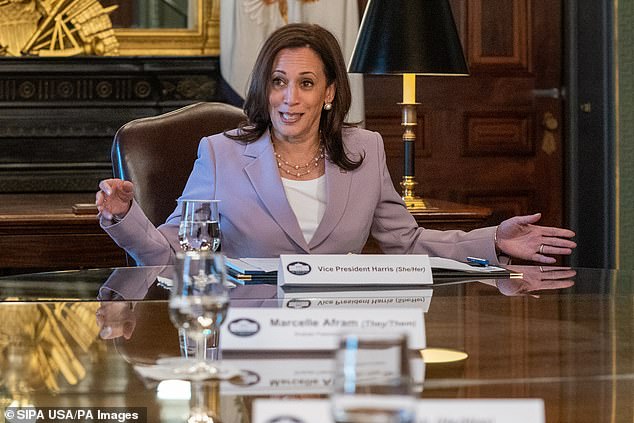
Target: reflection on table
{"points": [[73, 339]]}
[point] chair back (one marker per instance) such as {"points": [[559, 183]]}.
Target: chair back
{"points": [[157, 153]]}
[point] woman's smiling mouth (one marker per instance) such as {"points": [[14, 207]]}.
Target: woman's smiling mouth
{"points": [[290, 117]]}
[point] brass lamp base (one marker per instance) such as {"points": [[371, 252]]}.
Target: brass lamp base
{"points": [[412, 201], [409, 123], [415, 204]]}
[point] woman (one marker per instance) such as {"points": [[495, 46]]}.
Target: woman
{"points": [[295, 179]]}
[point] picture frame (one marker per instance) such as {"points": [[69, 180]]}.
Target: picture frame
{"points": [[202, 39]]}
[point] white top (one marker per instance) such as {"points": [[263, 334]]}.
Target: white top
{"points": [[308, 201]]}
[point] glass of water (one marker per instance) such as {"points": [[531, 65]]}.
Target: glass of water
{"points": [[372, 380], [199, 228], [198, 305]]}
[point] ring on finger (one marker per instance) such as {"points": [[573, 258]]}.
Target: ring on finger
{"points": [[541, 249]]}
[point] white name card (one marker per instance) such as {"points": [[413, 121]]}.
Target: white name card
{"points": [[276, 329], [354, 270], [291, 376], [332, 298], [428, 411]]}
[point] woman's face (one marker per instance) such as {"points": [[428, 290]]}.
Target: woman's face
{"points": [[297, 92]]}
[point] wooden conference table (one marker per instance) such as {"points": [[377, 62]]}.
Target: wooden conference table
{"points": [[567, 340]]}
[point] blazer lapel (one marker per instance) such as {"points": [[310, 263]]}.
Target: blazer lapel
{"points": [[264, 176], [338, 183]]}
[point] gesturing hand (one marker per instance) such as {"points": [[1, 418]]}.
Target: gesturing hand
{"points": [[116, 319], [114, 198], [535, 279], [520, 237]]}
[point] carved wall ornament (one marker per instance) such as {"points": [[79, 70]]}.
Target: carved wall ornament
{"points": [[56, 28], [45, 346]]}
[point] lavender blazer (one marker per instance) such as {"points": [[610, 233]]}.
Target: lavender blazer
{"points": [[256, 219]]}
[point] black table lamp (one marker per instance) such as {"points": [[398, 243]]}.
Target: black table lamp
{"points": [[408, 37]]}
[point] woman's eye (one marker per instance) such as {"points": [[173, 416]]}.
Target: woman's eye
{"points": [[278, 82], [307, 83]]}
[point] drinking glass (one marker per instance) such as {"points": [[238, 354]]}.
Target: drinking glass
{"points": [[199, 229], [205, 402], [372, 381], [198, 304]]}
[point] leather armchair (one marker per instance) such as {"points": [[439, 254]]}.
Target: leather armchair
{"points": [[157, 153]]}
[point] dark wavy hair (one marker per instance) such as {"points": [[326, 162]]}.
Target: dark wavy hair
{"points": [[332, 122]]}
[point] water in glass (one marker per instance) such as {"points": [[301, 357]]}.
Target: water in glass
{"points": [[198, 303], [199, 228], [372, 380]]}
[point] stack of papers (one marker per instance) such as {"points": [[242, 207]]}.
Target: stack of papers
{"points": [[443, 268], [252, 270]]}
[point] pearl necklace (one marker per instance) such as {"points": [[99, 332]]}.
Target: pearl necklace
{"points": [[299, 170]]}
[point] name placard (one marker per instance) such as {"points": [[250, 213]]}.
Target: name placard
{"points": [[354, 270], [428, 411], [291, 376], [276, 329], [332, 298]]}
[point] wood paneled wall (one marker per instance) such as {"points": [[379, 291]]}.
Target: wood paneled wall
{"points": [[493, 138]]}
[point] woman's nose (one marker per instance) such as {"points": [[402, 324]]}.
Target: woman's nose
{"points": [[290, 95]]}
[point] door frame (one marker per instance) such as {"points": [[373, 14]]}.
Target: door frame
{"points": [[590, 130]]}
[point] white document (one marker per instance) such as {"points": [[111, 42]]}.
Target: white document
{"points": [[428, 411], [265, 264], [354, 270], [253, 265], [450, 264], [277, 329]]}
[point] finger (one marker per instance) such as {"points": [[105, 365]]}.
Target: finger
{"points": [[522, 220], [559, 242], [105, 186], [557, 232], [106, 332], [556, 272], [565, 283], [127, 187], [556, 251], [557, 275], [124, 190], [552, 250], [557, 284], [545, 269], [128, 329], [540, 258], [529, 218], [99, 198]]}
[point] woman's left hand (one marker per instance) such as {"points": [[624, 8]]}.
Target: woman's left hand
{"points": [[520, 237]]}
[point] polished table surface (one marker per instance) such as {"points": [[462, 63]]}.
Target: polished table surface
{"points": [[568, 339]]}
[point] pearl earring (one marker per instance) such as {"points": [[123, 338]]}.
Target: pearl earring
{"points": [[327, 106]]}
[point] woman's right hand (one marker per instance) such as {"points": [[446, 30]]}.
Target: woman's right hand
{"points": [[114, 198], [116, 319]]}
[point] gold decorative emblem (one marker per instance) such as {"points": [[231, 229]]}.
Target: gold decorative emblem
{"points": [[44, 347], [56, 28]]}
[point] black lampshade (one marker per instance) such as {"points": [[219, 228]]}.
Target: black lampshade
{"points": [[408, 36]]}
